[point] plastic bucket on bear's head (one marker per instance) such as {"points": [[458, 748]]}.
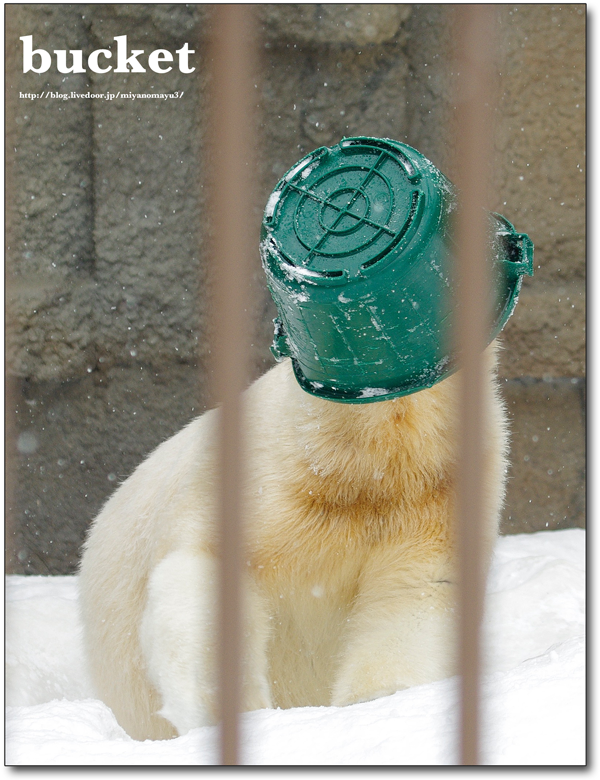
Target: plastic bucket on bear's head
{"points": [[357, 247]]}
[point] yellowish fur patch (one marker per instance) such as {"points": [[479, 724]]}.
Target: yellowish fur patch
{"points": [[349, 551]]}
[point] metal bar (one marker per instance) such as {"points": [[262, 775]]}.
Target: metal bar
{"points": [[474, 61], [231, 153]]}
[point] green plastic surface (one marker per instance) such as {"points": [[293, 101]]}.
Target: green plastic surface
{"points": [[357, 247]]}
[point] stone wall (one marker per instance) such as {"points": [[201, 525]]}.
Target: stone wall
{"points": [[107, 293]]}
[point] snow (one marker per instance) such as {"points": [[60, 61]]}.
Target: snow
{"points": [[533, 688], [373, 392], [297, 168], [271, 203]]}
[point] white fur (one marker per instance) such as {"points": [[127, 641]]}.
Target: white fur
{"points": [[349, 551]]}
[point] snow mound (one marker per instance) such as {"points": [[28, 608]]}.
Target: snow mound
{"points": [[533, 689]]}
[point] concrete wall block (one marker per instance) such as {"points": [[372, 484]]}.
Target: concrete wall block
{"points": [[49, 198], [540, 133], [149, 205], [148, 219], [546, 488], [154, 24], [52, 196], [429, 85], [50, 331], [75, 442], [313, 100], [546, 334], [358, 24]]}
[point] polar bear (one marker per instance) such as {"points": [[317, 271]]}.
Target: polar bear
{"points": [[350, 552]]}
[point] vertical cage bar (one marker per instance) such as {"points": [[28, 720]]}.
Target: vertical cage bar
{"points": [[231, 153], [474, 61]]}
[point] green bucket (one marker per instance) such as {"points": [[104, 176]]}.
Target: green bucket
{"points": [[357, 245]]}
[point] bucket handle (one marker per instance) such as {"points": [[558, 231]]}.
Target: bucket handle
{"points": [[519, 255]]}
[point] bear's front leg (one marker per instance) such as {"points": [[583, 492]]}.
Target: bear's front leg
{"points": [[179, 638], [400, 633]]}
